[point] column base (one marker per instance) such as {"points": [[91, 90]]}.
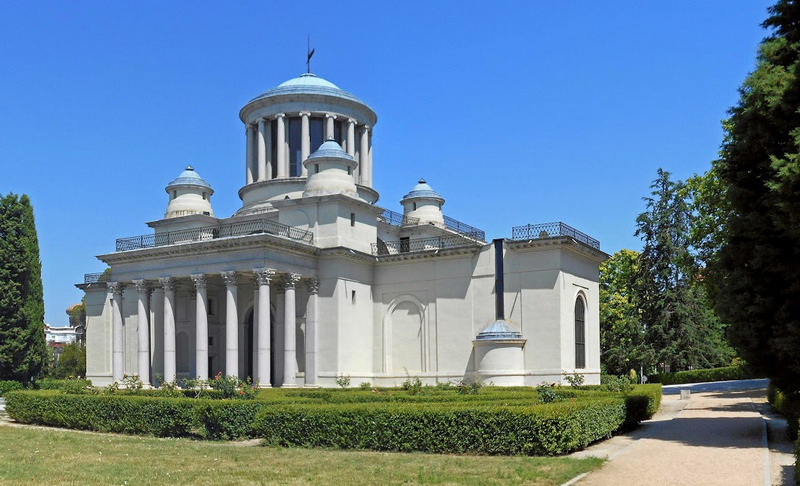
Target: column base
{"points": [[312, 386], [289, 385]]}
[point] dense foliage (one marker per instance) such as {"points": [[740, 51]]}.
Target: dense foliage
{"points": [[621, 330], [71, 363], [702, 375], [755, 272], [494, 421], [23, 352]]}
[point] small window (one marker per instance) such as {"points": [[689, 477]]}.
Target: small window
{"points": [[580, 334], [415, 206], [174, 194], [204, 196], [353, 296], [212, 306], [316, 168], [349, 171], [352, 219], [206, 213]]}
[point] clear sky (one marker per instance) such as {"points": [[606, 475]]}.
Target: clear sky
{"points": [[516, 112]]}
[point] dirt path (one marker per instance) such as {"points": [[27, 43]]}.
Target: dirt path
{"points": [[716, 437]]}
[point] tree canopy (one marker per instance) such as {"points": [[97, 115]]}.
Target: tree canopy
{"points": [[23, 351], [755, 273]]}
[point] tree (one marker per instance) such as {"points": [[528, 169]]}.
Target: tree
{"points": [[23, 351], [756, 272], [621, 332], [680, 329], [71, 363]]}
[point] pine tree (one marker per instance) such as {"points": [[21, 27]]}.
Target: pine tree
{"points": [[23, 351], [757, 270]]}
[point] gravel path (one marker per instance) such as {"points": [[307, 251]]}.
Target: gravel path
{"points": [[718, 436]]}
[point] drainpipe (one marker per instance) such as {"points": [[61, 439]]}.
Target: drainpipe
{"points": [[499, 282]]}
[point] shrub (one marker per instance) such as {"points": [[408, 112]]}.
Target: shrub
{"points": [[698, 376], [546, 393], [575, 380], [343, 381], [614, 383], [223, 419], [365, 385], [9, 385], [232, 386], [444, 428], [53, 384], [125, 414], [412, 386], [788, 405]]}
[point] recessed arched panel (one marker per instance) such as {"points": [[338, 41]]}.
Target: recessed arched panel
{"points": [[406, 333], [580, 333]]}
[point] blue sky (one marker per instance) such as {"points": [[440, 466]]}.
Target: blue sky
{"points": [[516, 112]]}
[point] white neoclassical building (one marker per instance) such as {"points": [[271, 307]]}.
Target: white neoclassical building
{"points": [[311, 280]]}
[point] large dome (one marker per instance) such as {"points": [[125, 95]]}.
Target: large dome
{"points": [[308, 83]]}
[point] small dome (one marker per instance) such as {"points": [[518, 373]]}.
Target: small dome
{"points": [[308, 83], [330, 149], [189, 178], [423, 190], [499, 329]]}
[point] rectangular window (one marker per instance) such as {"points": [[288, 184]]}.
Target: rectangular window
{"points": [[212, 306], [405, 245], [352, 219], [353, 296], [295, 141], [316, 168]]}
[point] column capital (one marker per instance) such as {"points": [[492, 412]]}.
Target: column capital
{"points": [[305, 113], [280, 115], [115, 287], [364, 128], [352, 121], [290, 280], [167, 283], [249, 127], [199, 280], [141, 285], [330, 115], [229, 277], [264, 275], [262, 122], [313, 285]]}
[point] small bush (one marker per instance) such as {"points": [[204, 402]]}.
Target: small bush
{"points": [[546, 393], [9, 385], [232, 387], [469, 387], [699, 376], [788, 405], [343, 381], [365, 385], [576, 380], [615, 383], [412, 386]]}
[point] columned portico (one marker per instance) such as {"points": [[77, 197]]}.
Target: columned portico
{"points": [[290, 332], [262, 326], [143, 330], [231, 325], [170, 365], [201, 326], [118, 354], [312, 313]]}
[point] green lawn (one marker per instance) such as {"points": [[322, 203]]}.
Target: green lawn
{"points": [[31, 455]]}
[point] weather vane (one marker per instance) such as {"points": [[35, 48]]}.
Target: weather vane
{"points": [[310, 52]]}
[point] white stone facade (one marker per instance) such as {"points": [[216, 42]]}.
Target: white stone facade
{"points": [[311, 280]]}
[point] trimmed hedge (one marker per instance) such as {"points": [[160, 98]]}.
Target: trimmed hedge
{"points": [[788, 405], [699, 376], [9, 385], [54, 384], [443, 428]]}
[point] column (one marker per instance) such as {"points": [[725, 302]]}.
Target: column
{"points": [[254, 340], [263, 277], [312, 313], [369, 159], [143, 328], [351, 137], [201, 326], [231, 326], [249, 130], [277, 339], [170, 365], [117, 353], [268, 149], [363, 157], [305, 140], [290, 333], [283, 162], [329, 118], [262, 150]]}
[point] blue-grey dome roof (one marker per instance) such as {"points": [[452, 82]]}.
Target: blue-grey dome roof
{"points": [[422, 189], [499, 329], [331, 149], [189, 178], [308, 83]]}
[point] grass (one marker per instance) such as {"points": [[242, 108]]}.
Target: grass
{"points": [[34, 455]]}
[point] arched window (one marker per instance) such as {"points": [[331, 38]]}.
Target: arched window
{"points": [[580, 333]]}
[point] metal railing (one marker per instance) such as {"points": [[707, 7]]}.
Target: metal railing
{"points": [[91, 278], [397, 219], [550, 230], [213, 232], [421, 244]]}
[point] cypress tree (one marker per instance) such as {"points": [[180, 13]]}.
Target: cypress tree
{"points": [[756, 273], [23, 351]]}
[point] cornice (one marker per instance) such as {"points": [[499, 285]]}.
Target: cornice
{"points": [[427, 254], [263, 240], [569, 244]]}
